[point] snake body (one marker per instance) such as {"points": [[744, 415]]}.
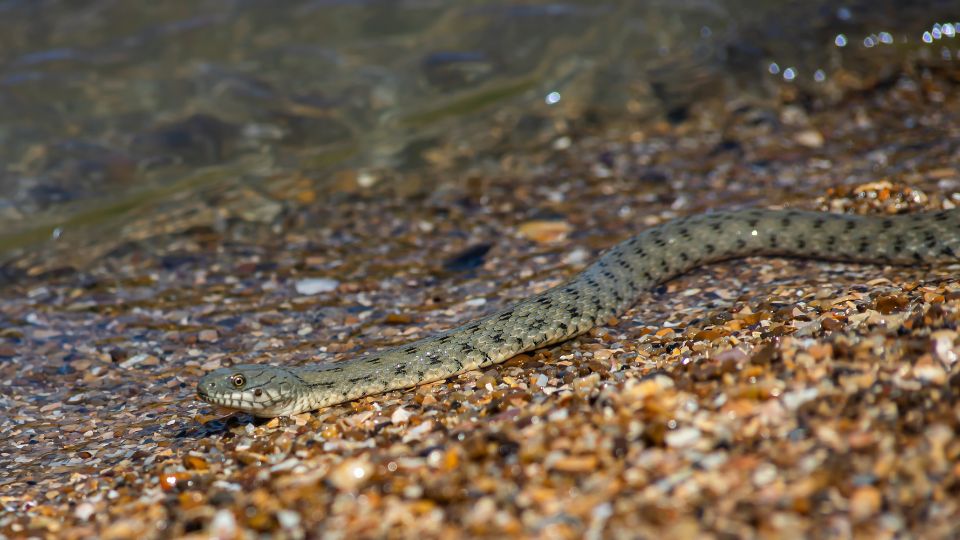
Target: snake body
{"points": [[603, 290]]}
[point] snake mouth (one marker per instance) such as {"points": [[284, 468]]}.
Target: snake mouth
{"points": [[237, 402]]}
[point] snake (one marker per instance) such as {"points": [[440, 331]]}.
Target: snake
{"points": [[601, 292]]}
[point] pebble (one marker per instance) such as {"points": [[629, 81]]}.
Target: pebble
{"points": [[313, 286], [84, 511], [400, 416], [288, 519], [810, 138], [865, 502], [544, 231], [223, 525], [351, 474], [683, 437]]}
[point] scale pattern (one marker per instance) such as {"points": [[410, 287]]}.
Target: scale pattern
{"points": [[602, 291]]}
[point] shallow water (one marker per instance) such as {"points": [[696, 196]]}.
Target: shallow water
{"points": [[109, 110]]}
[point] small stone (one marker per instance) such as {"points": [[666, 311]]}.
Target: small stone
{"points": [[195, 463], [139, 359], [351, 474], [84, 511], [865, 502], [764, 474], [312, 286], [288, 519], [683, 437], [810, 138], [544, 231], [400, 416], [576, 464], [223, 525], [576, 256], [418, 432], [208, 336]]}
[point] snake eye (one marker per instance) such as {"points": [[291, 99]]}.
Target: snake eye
{"points": [[238, 380]]}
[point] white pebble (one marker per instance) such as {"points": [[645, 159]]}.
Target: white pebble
{"points": [[84, 511], [288, 519], [683, 437], [400, 416], [577, 256], [134, 360], [223, 525], [475, 302], [418, 432], [316, 285], [764, 474]]}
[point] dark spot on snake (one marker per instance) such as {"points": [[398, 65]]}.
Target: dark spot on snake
{"points": [[818, 223], [710, 248], [887, 223], [741, 244], [785, 222], [948, 251], [850, 225], [410, 350]]}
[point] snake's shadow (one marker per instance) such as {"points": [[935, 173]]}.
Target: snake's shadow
{"points": [[219, 426]]}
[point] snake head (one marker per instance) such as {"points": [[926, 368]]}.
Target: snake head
{"points": [[264, 391]]}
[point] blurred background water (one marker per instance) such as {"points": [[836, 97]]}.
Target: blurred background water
{"points": [[109, 108]]}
